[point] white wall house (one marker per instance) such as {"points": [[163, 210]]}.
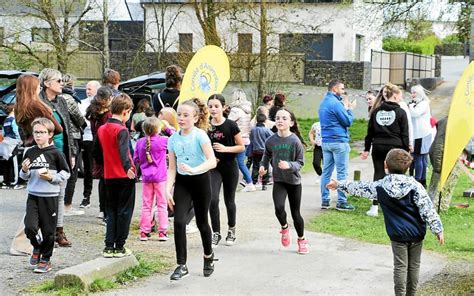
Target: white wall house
{"points": [[339, 32]]}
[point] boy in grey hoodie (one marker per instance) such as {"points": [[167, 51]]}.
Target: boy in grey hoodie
{"points": [[44, 166], [407, 209]]}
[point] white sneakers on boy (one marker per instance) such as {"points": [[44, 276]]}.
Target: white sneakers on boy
{"points": [[373, 211]]}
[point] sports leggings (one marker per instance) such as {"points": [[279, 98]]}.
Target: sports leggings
{"points": [[188, 191], [280, 191], [227, 174], [379, 152]]}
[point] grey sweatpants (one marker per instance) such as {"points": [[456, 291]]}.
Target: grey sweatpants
{"points": [[406, 266], [62, 191]]}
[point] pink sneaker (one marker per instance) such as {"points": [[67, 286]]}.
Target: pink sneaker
{"points": [[303, 246], [144, 236], [285, 236], [162, 236]]}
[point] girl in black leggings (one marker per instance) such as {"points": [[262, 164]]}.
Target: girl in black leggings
{"points": [[286, 152], [190, 158], [227, 143]]}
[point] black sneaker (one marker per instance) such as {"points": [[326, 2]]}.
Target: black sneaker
{"points": [[216, 238], [264, 187], [179, 273], [209, 265], [108, 252], [230, 239], [35, 257], [122, 252], [85, 203], [345, 207], [325, 205]]}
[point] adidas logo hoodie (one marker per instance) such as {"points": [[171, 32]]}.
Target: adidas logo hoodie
{"points": [[53, 160]]}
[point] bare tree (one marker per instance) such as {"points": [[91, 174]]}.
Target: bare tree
{"points": [[207, 12], [63, 18]]}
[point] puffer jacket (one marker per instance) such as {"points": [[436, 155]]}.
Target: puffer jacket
{"points": [[241, 114], [406, 206], [59, 104], [78, 121]]}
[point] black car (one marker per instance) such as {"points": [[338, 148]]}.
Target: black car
{"points": [[143, 87]]}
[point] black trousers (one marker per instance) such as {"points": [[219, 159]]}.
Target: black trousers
{"points": [[317, 158], [379, 152], [71, 182], [280, 191], [227, 174], [191, 191], [41, 213], [87, 161], [256, 159], [102, 195], [10, 170], [119, 205]]}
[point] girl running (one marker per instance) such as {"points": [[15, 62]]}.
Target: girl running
{"points": [[190, 158], [286, 152], [150, 154], [227, 143]]}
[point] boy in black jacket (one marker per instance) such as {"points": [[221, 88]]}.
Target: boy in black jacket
{"points": [[45, 167], [407, 209]]}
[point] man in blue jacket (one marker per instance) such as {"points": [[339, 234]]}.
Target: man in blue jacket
{"points": [[336, 117]]}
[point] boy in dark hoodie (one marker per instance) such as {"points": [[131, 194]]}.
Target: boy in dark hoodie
{"points": [[44, 166], [407, 209]]}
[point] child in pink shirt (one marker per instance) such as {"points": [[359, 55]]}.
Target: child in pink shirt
{"points": [[150, 154]]}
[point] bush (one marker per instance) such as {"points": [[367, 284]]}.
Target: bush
{"points": [[453, 38], [424, 46]]}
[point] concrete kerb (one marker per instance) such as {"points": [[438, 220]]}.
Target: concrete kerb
{"points": [[86, 273]]}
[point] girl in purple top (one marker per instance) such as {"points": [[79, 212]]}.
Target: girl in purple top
{"points": [[150, 154]]}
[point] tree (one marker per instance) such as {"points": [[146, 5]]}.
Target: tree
{"points": [[207, 12], [63, 18], [463, 23]]}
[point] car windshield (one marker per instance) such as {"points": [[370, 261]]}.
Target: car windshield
{"points": [[6, 82]]}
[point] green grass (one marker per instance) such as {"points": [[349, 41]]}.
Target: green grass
{"points": [[148, 265], [357, 132], [458, 225]]}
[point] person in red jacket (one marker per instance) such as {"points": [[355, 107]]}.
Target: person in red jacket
{"points": [[112, 149]]}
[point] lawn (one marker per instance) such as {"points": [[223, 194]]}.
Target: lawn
{"points": [[458, 225], [357, 132]]}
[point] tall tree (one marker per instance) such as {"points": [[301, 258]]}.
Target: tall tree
{"points": [[63, 18], [207, 12]]}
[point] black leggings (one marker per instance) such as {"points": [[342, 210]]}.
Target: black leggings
{"points": [[189, 191], [379, 152], [317, 158], [280, 191], [227, 174], [71, 182]]}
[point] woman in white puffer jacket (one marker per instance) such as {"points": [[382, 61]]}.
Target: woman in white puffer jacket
{"points": [[241, 112], [422, 132]]}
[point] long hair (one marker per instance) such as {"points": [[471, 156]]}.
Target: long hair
{"points": [[100, 104], [279, 100], [28, 104], [420, 92], [203, 115], [173, 76], [169, 114], [151, 127], [295, 128], [220, 98], [379, 99]]}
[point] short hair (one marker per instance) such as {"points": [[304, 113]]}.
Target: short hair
{"points": [[120, 103], [333, 83], [110, 77], [69, 80], [261, 118], [8, 108], [47, 123], [398, 161], [48, 74]]}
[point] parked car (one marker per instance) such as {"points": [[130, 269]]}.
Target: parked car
{"points": [[143, 87]]}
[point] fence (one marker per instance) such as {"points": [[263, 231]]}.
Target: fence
{"points": [[398, 67]]}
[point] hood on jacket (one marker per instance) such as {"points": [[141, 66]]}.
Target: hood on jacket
{"points": [[388, 106], [246, 106], [398, 186]]}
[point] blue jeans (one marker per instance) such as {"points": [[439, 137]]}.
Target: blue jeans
{"points": [[243, 168], [420, 165], [334, 154]]}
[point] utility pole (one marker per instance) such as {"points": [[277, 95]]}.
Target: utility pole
{"points": [[106, 55]]}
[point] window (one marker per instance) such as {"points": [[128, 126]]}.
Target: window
{"points": [[2, 35], [41, 34], [186, 42], [359, 48], [314, 46], [245, 43]]}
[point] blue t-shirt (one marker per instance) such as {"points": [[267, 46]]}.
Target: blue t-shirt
{"points": [[58, 139], [188, 148]]}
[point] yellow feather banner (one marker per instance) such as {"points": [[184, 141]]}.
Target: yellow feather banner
{"points": [[460, 126], [207, 73]]}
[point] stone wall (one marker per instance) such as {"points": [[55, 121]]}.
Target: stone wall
{"points": [[354, 74], [438, 65]]}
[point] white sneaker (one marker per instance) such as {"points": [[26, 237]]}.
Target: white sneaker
{"points": [[249, 188], [73, 212], [100, 215], [373, 211]]}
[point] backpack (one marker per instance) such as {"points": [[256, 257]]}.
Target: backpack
{"points": [[166, 105]]}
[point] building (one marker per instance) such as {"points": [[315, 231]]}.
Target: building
{"points": [[321, 30]]}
